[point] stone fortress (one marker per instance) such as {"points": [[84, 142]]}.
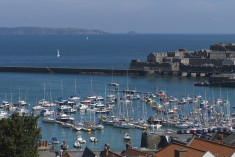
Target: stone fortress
{"points": [[220, 58]]}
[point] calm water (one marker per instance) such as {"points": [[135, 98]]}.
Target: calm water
{"points": [[104, 51]]}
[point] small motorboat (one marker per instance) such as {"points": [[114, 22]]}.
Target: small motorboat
{"points": [[54, 140], [23, 103], [150, 101], [38, 107], [93, 139], [3, 113], [169, 131], [113, 84], [77, 128], [99, 127], [80, 139], [74, 98], [71, 110], [127, 137], [48, 120], [66, 125], [77, 144], [157, 126], [46, 112], [22, 111]]}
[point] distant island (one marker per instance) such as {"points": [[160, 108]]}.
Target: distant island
{"points": [[47, 30], [132, 32]]}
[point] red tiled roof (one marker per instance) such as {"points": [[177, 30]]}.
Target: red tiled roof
{"points": [[222, 150], [109, 154], [169, 151], [134, 152]]}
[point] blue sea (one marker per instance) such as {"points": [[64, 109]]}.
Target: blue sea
{"points": [[99, 51]]}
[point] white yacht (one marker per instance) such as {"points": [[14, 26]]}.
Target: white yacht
{"points": [[80, 139], [38, 107], [48, 120], [113, 84], [46, 112], [3, 113], [99, 127], [74, 98], [77, 144], [127, 137], [93, 139], [23, 103]]}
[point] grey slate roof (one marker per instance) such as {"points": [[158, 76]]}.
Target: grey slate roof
{"points": [[229, 140]]}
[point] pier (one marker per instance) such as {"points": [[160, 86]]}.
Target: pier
{"points": [[85, 71], [94, 71]]}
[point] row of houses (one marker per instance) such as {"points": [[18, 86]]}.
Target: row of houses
{"points": [[197, 147]]}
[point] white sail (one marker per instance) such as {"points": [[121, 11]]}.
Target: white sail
{"points": [[58, 53]]}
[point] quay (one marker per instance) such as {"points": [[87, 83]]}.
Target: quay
{"points": [[93, 71], [215, 78], [85, 71]]}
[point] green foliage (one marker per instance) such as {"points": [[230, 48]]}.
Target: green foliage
{"points": [[19, 136]]}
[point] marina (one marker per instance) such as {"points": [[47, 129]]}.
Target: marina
{"points": [[202, 107], [103, 106]]}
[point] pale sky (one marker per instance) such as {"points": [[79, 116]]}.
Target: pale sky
{"points": [[121, 16]]}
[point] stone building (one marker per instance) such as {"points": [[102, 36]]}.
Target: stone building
{"points": [[218, 55], [230, 54], [223, 47], [184, 61], [203, 53], [228, 61], [206, 61], [180, 53], [216, 59], [156, 57]]}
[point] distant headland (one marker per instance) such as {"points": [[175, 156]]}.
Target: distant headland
{"points": [[48, 31]]}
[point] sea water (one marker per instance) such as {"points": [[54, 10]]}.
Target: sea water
{"points": [[99, 51]]}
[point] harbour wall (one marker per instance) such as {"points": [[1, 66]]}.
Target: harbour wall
{"points": [[134, 72], [214, 79], [146, 71]]}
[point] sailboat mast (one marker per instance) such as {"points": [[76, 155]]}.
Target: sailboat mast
{"points": [[62, 93], [11, 97], [91, 87], [75, 87], [26, 93], [19, 94], [44, 91], [127, 81]]}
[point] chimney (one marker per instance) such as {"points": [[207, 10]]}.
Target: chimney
{"points": [[106, 149], [46, 143], [40, 143], [107, 152], [222, 139], [181, 153]]}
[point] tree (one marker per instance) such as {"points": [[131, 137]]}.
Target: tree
{"points": [[19, 136]]}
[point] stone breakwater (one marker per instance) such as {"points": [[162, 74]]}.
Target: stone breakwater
{"points": [[134, 72]]}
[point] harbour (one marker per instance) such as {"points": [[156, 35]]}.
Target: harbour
{"points": [[136, 95], [68, 134]]}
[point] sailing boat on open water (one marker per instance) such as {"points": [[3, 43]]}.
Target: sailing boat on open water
{"points": [[58, 53]]}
